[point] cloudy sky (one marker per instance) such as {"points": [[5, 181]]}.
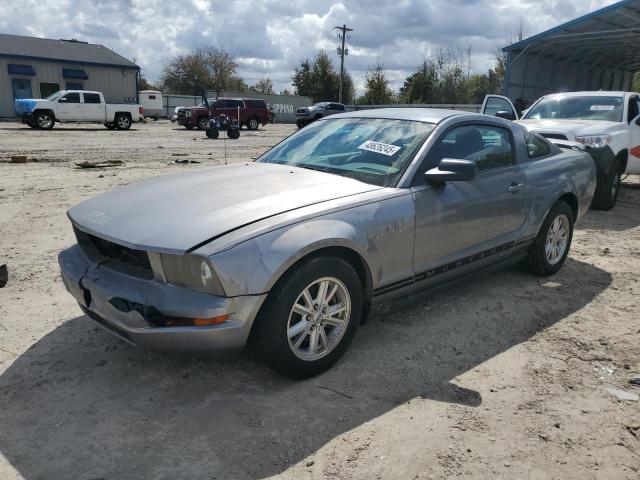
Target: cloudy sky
{"points": [[270, 37]]}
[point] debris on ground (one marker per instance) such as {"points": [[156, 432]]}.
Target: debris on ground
{"points": [[635, 381], [4, 275], [19, 159], [623, 395], [102, 164], [186, 161]]}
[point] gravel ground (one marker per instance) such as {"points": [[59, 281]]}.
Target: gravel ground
{"points": [[504, 377]]}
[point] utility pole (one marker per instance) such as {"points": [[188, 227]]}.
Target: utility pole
{"points": [[343, 35]]}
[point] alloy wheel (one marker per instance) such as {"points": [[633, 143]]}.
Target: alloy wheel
{"points": [[319, 318], [557, 239]]}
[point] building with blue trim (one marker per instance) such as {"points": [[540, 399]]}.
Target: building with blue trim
{"points": [[37, 67]]}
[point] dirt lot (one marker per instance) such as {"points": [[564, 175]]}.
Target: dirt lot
{"points": [[505, 377]]}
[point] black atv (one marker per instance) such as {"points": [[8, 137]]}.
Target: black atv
{"points": [[225, 123]]}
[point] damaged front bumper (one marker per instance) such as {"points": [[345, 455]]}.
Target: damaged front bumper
{"points": [[131, 307]]}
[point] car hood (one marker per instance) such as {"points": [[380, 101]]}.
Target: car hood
{"points": [[26, 105], [175, 213], [571, 128]]}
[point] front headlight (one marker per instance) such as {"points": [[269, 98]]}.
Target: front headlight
{"points": [[594, 141], [191, 271]]}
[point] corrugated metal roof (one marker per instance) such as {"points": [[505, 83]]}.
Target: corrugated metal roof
{"points": [[606, 37], [71, 51]]}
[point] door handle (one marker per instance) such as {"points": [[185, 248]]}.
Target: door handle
{"points": [[516, 187]]}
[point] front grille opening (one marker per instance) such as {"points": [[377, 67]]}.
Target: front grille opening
{"points": [[557, 136], [117, 257]]}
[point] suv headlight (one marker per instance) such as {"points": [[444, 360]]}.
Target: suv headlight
{"points": [[594, 141], [189, 271]]}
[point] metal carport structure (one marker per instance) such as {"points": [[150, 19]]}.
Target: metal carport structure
{"points": [[599, 51]]}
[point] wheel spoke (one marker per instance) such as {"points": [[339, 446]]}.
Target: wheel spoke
{"points": [[298, 328], [307, 297], [331, 293], [322, 292], [313, 341], [301, 310], [323, 337]]}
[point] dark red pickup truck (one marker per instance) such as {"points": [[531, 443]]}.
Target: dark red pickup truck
{"points": [[253, 113]]}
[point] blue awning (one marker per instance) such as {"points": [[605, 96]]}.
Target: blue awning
{"points": [[73, 73], [20, 69]]}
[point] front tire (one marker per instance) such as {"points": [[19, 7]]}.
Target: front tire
{"points": [[44, 121], [607, 196], [551, 247], [203, 123], [233, 133], [213, 133], [310, 318]]}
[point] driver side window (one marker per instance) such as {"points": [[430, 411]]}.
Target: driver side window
{"points": [[488, 146], [70, 98]]}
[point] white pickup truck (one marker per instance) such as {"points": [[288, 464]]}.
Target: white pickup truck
{"points": [[607, 123], [76, 106]]}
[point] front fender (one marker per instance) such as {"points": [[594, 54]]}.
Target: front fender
{"points": [[254, 266]]}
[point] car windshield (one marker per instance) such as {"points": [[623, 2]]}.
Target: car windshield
{"points": [[53, 96], [371, 150], [577, 108]]}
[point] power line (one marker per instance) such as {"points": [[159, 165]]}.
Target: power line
{"points": [[342, 35]]}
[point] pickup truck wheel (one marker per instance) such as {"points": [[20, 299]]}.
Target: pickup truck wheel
{"points": [[551, 247], [253, 123], [310, 318], [203, 123], [44, 121], [606, 195], [122, 121]]}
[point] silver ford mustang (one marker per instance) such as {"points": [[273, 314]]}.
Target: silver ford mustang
{"points": [[289, 252]]}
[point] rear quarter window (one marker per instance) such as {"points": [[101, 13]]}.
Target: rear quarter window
{"points": [[255, 103], [537, 146]]}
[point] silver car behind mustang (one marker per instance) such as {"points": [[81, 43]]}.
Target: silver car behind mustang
{"points": [[289, 252]]}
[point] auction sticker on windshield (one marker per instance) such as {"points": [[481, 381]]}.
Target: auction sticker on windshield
{"points": [[602, 108], [379, 147]]}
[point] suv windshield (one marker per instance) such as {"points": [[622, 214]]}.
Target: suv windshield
{"points": [[371, 150], [53, 96], [577, 108]]}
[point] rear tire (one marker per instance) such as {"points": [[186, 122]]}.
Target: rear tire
{"points": [[551, 247], [290, 322], [213, 133], [233, 133], [122, 121], [607, 196], [253, 123]]}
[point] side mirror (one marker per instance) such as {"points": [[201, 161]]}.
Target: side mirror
{"points": [[505, 114], [451, 170], [62, 100]]}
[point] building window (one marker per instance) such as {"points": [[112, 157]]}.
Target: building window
{"points": [[75, 86], [47, 88]]}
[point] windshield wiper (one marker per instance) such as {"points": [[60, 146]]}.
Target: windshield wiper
{"points": [[315, 167]]}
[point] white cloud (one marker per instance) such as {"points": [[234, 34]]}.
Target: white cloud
{"points": [[270, 37]]}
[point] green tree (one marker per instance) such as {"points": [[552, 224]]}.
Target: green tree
{"points": [[208, 68], [636, 83], [377, 90], [320, 81], [264, 85]]}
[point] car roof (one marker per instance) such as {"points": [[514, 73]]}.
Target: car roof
{"points": [[598, 93], [429, 115]]}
